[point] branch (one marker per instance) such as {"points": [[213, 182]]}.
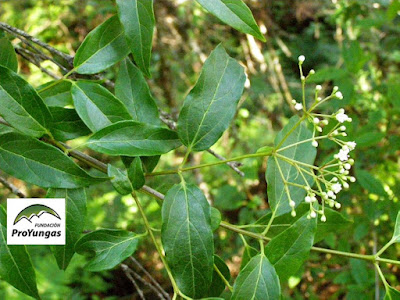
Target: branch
{"points": [[17, 32], [128, 272], [23, 53], [11, 187]]}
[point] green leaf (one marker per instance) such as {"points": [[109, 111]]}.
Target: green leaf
{"points": [[8, 57], [188, 239], [75, 208], [370, 183], [234, 13], [67, 125], [304, 153], [150, 163], [42, 164], [58, 94], [137, 18], [211, 104], [132, 89], [359, 271], [392, 294], [218, 285], [103, 47], [96, 106], [396, 233], [108, 247], [135, 173], [288, 250], [119, 180], [257, 280], [369, 139], [21, 106], [15, 263], [132, 138], [215, 218]]}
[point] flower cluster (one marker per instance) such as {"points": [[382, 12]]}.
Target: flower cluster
{"points": [[334, 176]]}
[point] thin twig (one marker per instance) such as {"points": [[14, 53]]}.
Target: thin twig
{"points": [[127, 272], [139, 265], [22, 53], [69, 59], [11, 187]]}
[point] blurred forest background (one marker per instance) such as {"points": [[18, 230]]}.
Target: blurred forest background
{"points": [[354, 44]]}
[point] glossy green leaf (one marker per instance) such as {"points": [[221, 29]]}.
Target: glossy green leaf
{"points": [[103, 47], [392, 294], [8, 57], [135, 173], [150, 163], [215, 218], [39, 163], [188, 239], [288, 250], [132, 138], [15, 263], [21, 106], [67, 125], [218, 285], [257, 280], [304, 153], [58, 94], [132, 89], [211, 104], [96, 106], [370, 183], [119, 180], [234, 13], [108, 248], [75, 212], [137, 18], [396, 233]]}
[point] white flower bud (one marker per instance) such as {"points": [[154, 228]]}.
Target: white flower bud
{"points": [[298, 106], [347, 166], [352, 179], [315, 143], [292, 203], [319, 129], [302, 78], [307, 199], [335, 89], [342, 128], [313, 214], [339, 95], [345, 185], [316, 121], [318, 87], [293, 213], [337, 205], [294, 101], [325, 122], [312, 72], [323, 218], [302, 58], [319, 99]]}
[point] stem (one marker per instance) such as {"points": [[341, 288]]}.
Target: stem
{"points": [[390, 243], [291, 131], [221, 162], [223, 278], [159, 250], [385, 283], [370, 258], [264, 233]]}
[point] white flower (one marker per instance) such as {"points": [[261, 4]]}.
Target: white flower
{"points": [[351, 145], [323, 218], [347, 166], [302, 58], [298, 106], [343, 154], [342, 117], [316, 121], [337, 187], [318, 87], [307, 199], [292, 203], [331, 194], [315, 143], [313, 214], [339, 95]]}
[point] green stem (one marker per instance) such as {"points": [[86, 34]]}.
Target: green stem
{"points": [[382, 276], [56, 82], [291, 131], [221, 162], [390, 243], [159, 250], [223, 278], [370, 258]]}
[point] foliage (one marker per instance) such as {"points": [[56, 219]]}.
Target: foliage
{"points": [[296, 215]]}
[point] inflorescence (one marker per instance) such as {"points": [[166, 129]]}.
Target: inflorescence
{"points": [[333, 176]]}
